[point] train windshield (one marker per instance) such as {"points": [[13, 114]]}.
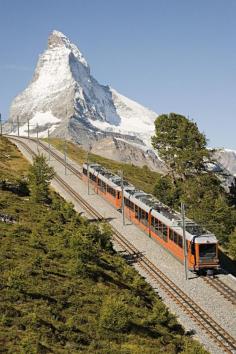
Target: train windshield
{"points": [[207, 250]]}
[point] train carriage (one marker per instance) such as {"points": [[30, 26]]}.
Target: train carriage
{"points": [[103, 183], [156, 219]]}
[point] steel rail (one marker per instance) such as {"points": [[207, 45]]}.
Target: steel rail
{"points": [[222, 288], [223, 339]]}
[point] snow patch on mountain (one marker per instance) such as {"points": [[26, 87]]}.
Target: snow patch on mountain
{"points": [[134, 119], [42, 122], [44, 118]]}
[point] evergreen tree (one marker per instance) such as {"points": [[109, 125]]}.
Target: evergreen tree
{"points": [[207, 204], [166, 191], [40, 175], [180, 145]]}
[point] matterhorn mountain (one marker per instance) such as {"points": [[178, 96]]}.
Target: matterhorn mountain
{"points": [[66, 100]]}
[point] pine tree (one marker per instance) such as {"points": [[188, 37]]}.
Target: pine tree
{"points": [[40, 175], [180, 145]]}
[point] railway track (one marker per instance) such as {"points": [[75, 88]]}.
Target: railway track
{"points": [[223, 339], [222, 288]]}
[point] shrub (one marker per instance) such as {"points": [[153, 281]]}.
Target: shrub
{"points": [[114, 314]]}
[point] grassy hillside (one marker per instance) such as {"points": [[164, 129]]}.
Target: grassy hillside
{"points": [[142, 178], [12, 166], [65, 290]]}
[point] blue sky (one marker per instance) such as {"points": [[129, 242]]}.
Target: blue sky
{"points": [[169, 55]]}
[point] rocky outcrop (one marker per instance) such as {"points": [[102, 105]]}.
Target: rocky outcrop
{"points": [[227, 158], [121, 150]]}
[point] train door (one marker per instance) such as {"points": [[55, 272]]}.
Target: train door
{"points": [[192, 254], [118, 199]]}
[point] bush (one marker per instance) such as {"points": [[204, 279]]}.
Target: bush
{"points": [[114, 314]]}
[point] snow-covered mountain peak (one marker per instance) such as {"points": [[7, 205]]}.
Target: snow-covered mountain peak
{"points": [[58, 40], [63, 96]]}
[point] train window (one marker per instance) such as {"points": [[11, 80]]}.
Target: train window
{"points": [[160, 226], [84, 171], [156, 226], [136, 212], [207, 250], [103, 186], [152, 221], [153, 224], [175, 237], [118, 195], [192, 248], [142, 216], [171, 235], [111, 191], [128, 203], [164, 231], [180, 241], [145, 218], [99, 182], [92, 177]]}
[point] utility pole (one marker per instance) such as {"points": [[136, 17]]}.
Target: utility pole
{"points": [[49, 147], [123, 200], [0, 124], [65, 157], [18, 126], [89, 149], [28, 127], [184, 241]]}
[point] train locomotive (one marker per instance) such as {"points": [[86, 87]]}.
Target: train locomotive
{"points": [[157, 220]]}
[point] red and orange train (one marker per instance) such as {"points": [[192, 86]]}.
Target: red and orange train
{"points": [[156, 219]]}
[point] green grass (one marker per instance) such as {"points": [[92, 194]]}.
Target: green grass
{"points": [[141, 177], [65, 290], [12, 165]]}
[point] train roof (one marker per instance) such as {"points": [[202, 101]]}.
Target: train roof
{"points": [[110, 178], [161, 211]]}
